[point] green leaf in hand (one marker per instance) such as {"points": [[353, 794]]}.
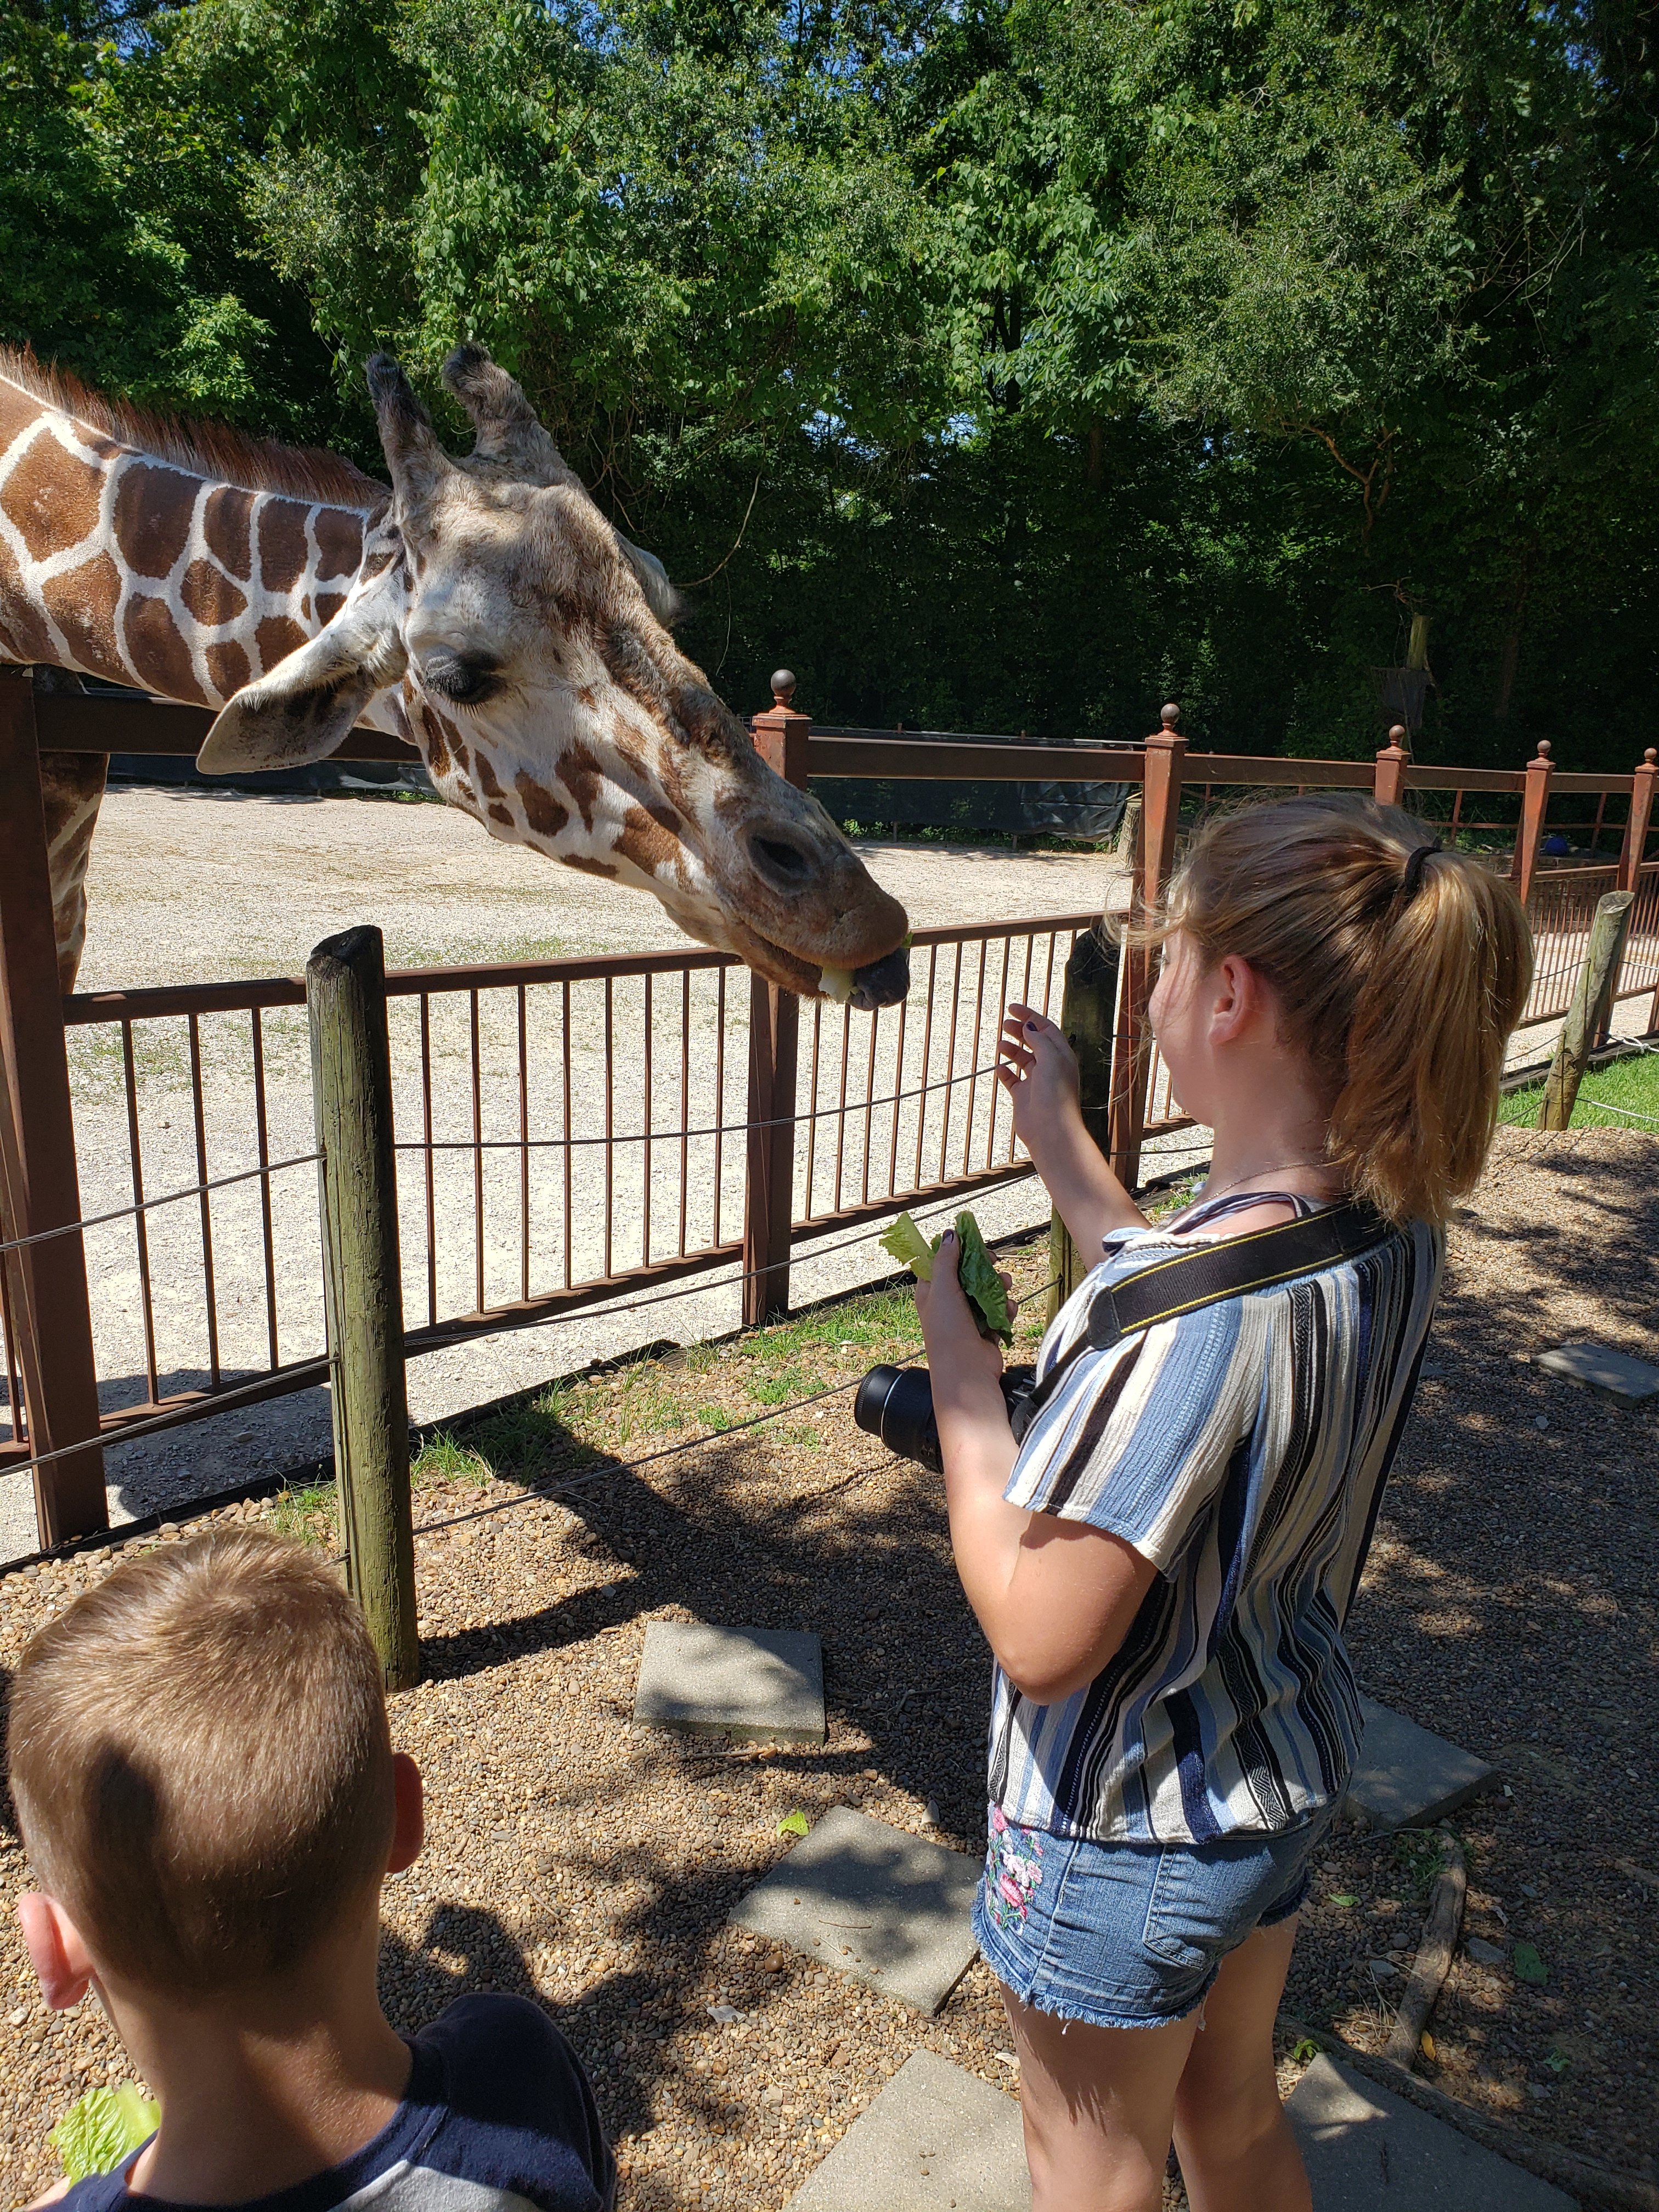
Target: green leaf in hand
{"points": [[102, 2128], [910, 1247], [977, 1273]]}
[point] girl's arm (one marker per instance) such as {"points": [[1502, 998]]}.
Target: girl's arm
{"points": [[1055, 1598], [1038, 1070]]}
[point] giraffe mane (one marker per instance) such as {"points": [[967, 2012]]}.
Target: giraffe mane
{"points": [[212, 449]]}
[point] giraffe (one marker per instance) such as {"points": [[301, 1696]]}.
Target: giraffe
{"points": [[483, 608]]}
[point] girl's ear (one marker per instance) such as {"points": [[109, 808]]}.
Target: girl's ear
{"points": [[63, 1965], [1234, 993]]}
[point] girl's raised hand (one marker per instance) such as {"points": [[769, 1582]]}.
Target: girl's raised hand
{"points": [[1038, 1070]]}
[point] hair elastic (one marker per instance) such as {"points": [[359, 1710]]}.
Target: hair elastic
{"points": [[1414, 862]]}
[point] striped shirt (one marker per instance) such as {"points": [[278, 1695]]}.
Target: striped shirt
{"points": [[1242, 1449]]}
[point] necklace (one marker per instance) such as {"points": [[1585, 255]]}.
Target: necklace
{"points": [[1282, 1167]]}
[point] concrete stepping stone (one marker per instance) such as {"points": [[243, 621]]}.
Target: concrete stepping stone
{"points": [[1407, 1778], [867, 1900], [1367, 2150], [937, 2139], [1614, 1375], [763, 1685]]}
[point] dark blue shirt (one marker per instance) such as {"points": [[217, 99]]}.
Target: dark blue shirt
{"points": [[498, 2116]]}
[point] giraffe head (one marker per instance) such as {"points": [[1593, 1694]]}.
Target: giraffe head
{"points": [[521, 643]]}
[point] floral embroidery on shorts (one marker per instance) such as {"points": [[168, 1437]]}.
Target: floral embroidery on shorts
{"points": [[1013, 1868]]}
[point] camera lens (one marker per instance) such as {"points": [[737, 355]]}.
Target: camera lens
{"points": [[896, 1405]]}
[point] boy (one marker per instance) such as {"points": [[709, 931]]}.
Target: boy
{"points": [[205, 1783]]}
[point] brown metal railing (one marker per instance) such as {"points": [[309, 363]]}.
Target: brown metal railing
{"points": [[536, 1177]]}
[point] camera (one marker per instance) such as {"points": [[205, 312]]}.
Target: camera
{"points": [[896, 1405]]}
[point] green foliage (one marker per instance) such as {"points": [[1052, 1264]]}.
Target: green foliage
{"points": [[1008, 364], [102, 2128]]}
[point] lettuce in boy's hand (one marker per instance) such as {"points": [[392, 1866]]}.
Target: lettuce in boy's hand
{"points": [[102, 2128], [976, 1271]]}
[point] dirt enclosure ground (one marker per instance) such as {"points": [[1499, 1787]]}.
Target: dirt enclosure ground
{"points": [[1509, 1604]]}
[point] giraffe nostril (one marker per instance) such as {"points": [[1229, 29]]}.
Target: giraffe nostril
{"points": [[782, 864]]}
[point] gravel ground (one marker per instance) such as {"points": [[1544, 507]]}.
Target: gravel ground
{"points": [[191, 885], [1508, 1604]]}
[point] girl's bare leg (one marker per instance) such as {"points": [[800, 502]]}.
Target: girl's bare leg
{"points": [[1237, 2151], [1097, 2104]]}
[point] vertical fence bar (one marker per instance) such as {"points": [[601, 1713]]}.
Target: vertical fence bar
{"points": [[645, 1194], [781, 737], [478, 1150], [720, 1109], [564, 1033], [210, 1293], [351, 1086], [686, 1094], [38, 1185], [1534, 802], [140, 1220], [1160, 818], [262, 1135], [523, 1146], [430, 1156], [609, 1119]]}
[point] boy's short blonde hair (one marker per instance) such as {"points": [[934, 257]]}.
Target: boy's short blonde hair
{"points": [[201, 1762]]}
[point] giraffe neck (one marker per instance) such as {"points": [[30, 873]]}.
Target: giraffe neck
{"points": [[122, 564]]}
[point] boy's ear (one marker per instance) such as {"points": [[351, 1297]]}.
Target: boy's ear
{"points": [[61, 1963], [409, 1829]]}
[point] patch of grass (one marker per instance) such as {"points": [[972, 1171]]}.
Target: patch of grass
{"points": [[443, 1458], [311, 1515], [1631, 1084], [1418, 1858], [805, 1433]]}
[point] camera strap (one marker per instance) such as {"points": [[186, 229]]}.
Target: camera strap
{"points": [[1205, 1273]]}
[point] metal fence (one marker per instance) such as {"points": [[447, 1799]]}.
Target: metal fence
{"points": [[572, 1131]]}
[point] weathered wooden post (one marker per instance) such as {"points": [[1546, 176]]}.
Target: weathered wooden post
{"points": [[1587, 1017], [1633, 851], [40, 1188], [363, 1282], [1165, 753], [1088, 1014], [780, 736]]}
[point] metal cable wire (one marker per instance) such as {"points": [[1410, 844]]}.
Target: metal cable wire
{"points": [[169, 1198]]}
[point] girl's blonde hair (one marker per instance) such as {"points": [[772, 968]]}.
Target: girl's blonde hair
{"points": [[1400, 969]]}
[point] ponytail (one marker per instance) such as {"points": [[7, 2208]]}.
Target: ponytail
{"points": [[1399, 969]]}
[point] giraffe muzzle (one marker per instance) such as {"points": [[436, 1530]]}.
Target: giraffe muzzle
{"points": [[882, 983]]}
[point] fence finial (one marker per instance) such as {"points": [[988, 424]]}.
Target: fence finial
{"points": [[1543, 748], [783, 686], [1649, 757], [1169, 715], [1399, 736]]}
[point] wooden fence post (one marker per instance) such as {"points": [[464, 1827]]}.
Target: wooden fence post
{"points": [[1160, 818], [1633, 851], [780, 736], [1587, 1016], [1088, 1011], [1534, 799], [1393, 761], [362, 1284], [41, 1189]]}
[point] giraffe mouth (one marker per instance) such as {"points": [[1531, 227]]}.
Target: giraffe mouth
{"points": [[867, 988]]}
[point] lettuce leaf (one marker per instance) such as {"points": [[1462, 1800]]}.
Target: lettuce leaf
{"points": [[102, 2128], [910, 1247], [977, 1273]]}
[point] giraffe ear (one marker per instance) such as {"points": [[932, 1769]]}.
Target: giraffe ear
{"points": [[303, 709], [664, 601]]}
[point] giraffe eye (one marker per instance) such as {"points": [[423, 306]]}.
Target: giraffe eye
{"points": [[467, 683]]}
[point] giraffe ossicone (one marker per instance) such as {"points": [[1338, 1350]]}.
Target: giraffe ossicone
{"points": [[483, 609]]}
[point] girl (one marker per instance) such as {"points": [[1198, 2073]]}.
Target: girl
{"points": [[1163, 1567]]}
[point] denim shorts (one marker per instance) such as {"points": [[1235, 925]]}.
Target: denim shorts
{"points": [[1128, 1935]]}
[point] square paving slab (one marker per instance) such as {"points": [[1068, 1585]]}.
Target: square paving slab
{"points": [[937, 2139], [1367, 2150], [1615, 1374], [1408, 1778], [870, 1901], [764, 1684]]}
